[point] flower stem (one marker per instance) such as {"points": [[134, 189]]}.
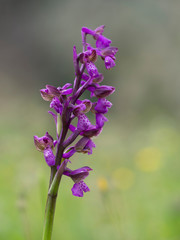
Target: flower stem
{"points": [[51, 203], [49, 217]]}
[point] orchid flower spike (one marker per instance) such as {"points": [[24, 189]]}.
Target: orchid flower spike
{"points": [[68, 107]]}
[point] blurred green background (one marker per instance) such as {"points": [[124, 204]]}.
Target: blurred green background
{"points": [[135, 190]]}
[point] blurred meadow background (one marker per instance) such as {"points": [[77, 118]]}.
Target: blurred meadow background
{"points": [[135, 185]]}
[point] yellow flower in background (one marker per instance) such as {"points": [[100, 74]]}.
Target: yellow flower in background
{"points": [[102, 184], [123, 178], [148, 159]]}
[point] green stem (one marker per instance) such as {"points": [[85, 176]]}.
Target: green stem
{"points": [[49, 217], [51, 203]]}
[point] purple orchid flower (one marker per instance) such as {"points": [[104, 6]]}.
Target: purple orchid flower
{"points": [[103, 47], [101, 41], [84, 145], [68, 107], [45, 144], [57, 105], [78, 176], [102, 105]]}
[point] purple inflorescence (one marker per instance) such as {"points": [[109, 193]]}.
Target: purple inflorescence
{"points": [[67, 106]]}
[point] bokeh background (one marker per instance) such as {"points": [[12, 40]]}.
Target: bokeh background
{"points": [[135, 190]]}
